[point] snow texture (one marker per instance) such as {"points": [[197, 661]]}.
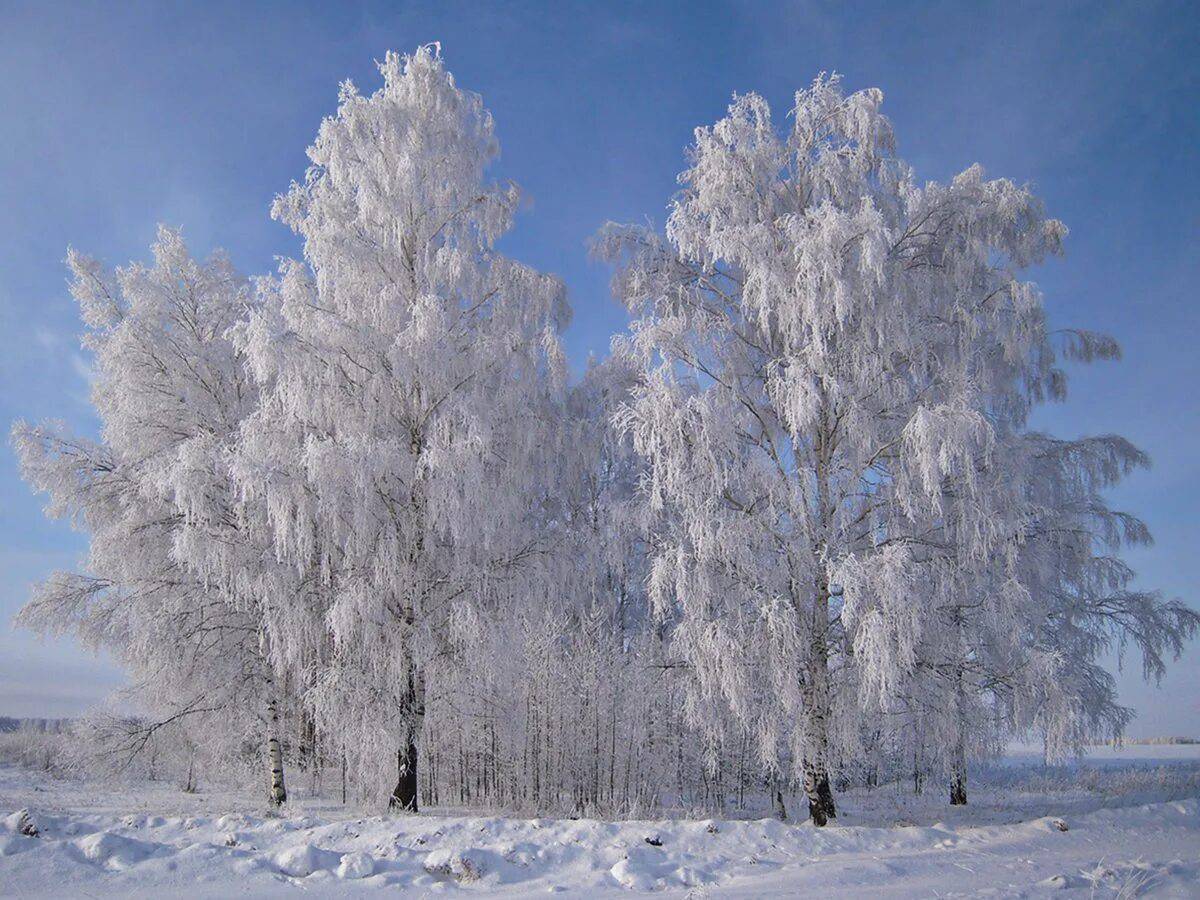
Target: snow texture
{"points": [[151, 840]]}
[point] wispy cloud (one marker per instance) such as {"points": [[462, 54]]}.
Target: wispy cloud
{"points": [[47, 339], [83, 368]]}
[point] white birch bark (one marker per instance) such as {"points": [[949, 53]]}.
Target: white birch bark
{"points": [[275, 756]]}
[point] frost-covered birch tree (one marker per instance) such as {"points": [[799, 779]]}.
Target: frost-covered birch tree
{"points": [[168, 391], [405, 368], [803, 330], [1083, 604], [1013, 637]]}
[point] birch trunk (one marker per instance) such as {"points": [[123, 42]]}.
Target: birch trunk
{"points": [[405, 793], [958, 779], [958, 790], [821, 807], [275, 756], [816, 772], [777, 802]]}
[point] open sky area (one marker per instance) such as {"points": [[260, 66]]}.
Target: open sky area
{"points": [[116, 117]]}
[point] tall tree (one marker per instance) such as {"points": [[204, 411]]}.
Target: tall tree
{"points": [[405, 368], [169, 391], [802, 332], [1013, 626]]}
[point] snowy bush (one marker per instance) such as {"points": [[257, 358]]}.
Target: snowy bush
{"points": [[34, 747]]}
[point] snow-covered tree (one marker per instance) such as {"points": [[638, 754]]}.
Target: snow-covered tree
{"points": [[406, 370], [168, 389], [805, 334], [1082, 602]]}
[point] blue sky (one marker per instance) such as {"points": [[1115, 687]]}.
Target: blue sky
{"points": [[118, 116]]}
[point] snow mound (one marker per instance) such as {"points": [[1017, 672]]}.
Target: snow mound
{"points": [[461, 865], [21, 822], [11, 844], [113, 851], [356, 865], [628, 873], [1059, 882], [304, 859], [644, 869], [234, 822]]}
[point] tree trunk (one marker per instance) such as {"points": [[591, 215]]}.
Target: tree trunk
{"points": [[404, 794], [821, 807], [958, 784], [816, 767], [958, 790], [306, 744], [275, 756], [777, 802], [958, 778]]}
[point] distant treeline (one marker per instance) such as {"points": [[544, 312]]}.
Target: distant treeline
{"points": [[50, 726], [1160, 741]]}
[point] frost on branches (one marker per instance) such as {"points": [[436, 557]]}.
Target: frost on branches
{"points": [[170, 393], [354, 518], [409, 374], [834, 357]]}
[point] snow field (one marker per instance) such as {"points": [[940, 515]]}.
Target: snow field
{"points": [[1144, 849]]}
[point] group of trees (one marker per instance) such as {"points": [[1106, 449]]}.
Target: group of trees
{"points": [[796, 530]]}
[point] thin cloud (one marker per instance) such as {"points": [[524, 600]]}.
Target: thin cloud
{"points": [[83, 368]]}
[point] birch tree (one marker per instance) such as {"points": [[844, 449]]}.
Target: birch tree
{"points": [[801, 331], [168, 389], [403, 366], [1084, 605]]}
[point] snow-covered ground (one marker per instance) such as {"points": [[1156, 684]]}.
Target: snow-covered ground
{"points": [[1131, 817]]}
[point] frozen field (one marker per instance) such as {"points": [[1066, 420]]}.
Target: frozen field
{"points": [[1132, 818]]}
